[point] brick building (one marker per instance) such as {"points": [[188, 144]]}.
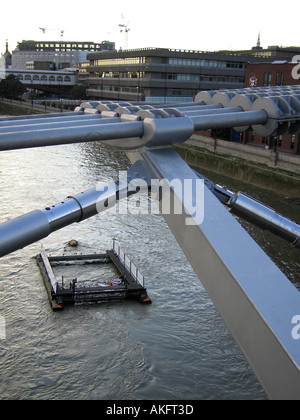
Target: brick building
{"points": [[277, 73]]}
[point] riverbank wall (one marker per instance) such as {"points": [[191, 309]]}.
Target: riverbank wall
{"points": [[274, 171]]}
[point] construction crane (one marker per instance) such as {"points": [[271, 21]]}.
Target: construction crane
{"points": [[53, 30], [124, 27]]}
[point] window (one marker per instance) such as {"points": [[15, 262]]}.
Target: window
{"points": [[118, 61], [293, 141], [269, 79], [233, 65]]}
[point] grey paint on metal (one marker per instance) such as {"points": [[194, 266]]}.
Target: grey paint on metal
{"points": [[257, 213], [229, 120], [166, 131], [222, 98], [184, 105], [40, 116], [67, 135], [267, 115], [36, 225], [48, 119], [177, 129], [265, 218], [212, 112], [56, 124], [205, 96], [22, 231], [255, 299]]}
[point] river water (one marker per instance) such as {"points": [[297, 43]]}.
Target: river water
{"points": [[177, 348]]}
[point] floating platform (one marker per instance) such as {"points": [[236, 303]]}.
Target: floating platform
{"points": [[129, 283]]}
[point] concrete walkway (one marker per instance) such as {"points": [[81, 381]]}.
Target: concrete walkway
{"points": [[281, 160]]}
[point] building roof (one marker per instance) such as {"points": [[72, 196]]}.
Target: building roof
{"points": [[165, 52]]}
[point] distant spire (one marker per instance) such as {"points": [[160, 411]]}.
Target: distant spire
{"points": [[7, 56], [258, 40], [258, 44]]}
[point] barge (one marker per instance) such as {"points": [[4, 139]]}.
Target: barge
{"points": [[127, 284]]}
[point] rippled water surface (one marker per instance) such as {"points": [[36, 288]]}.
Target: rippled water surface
{"points": [[176, 348]]}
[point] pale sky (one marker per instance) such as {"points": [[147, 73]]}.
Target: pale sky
{"points": [[189, 24]]}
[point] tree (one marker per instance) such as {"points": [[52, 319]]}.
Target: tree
{"points": [[78, 92], [11, 87]]}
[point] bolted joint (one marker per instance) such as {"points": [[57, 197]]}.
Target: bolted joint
{"points": [[167, 131]]}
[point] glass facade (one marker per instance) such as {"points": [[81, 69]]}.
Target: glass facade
{"points": [[119, 61], [161, 73], [205, 63]]}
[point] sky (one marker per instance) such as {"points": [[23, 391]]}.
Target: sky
{"points": [[188, 25]]}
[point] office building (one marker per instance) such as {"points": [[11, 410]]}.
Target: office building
{"points": [[62, 54], [161, 75]]}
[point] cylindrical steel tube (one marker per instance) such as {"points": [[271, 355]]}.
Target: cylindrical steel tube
{"points": [[229, 120], [57, 124], [218, 111], [34, 226], [22, 231], [49, 119], [41, 116], [266, 218], [68, 135]]}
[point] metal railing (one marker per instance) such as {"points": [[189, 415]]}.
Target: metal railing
{"points": [[125, 260]]}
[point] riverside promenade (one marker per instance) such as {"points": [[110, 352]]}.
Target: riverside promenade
{"points": [[33, 107], [275, 171]]}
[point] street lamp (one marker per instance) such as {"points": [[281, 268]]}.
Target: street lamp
{"points": [[166, 84]]}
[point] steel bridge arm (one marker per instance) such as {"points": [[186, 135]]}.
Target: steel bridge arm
{"points": [[255, 299], [38, 224]]}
